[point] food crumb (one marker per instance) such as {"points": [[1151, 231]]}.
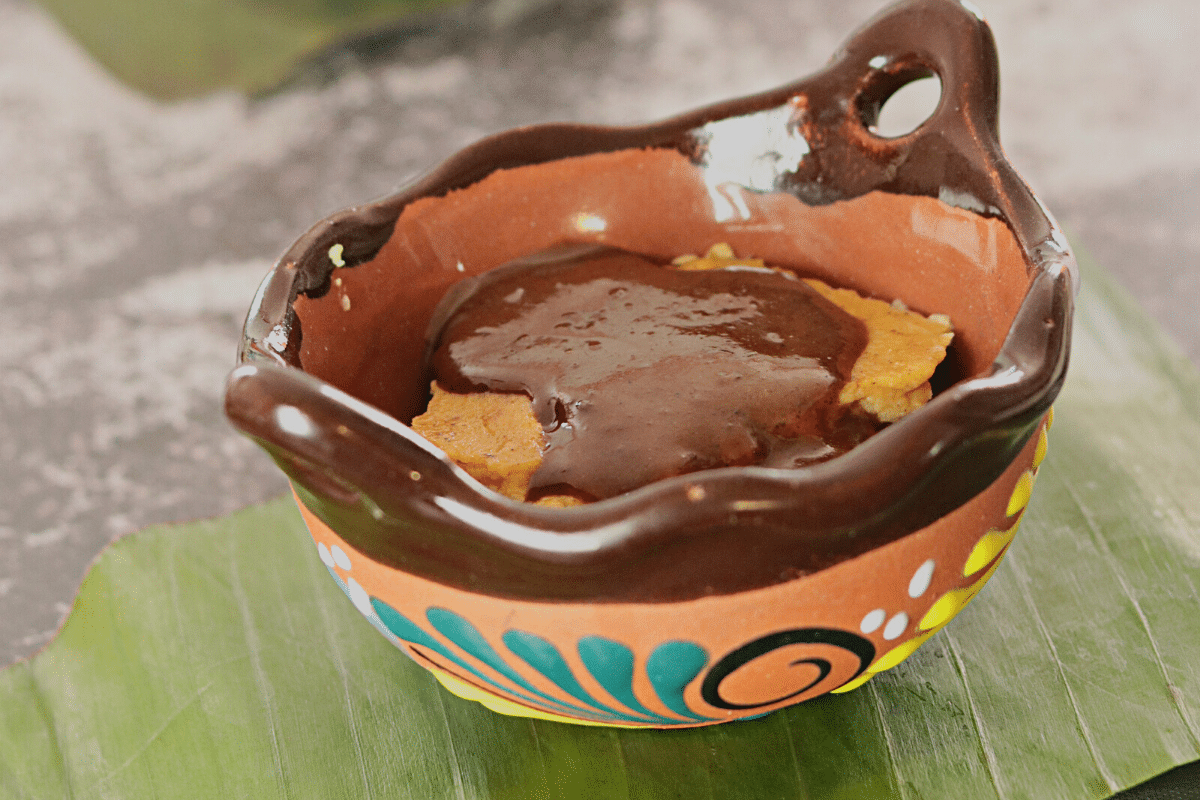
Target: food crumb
{"points": [[560, 501], [345, 302], [719, 256], [335, 255]]}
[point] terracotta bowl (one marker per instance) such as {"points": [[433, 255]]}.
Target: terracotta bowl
{"points": [[716, 595]]}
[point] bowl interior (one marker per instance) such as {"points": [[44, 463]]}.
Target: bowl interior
{"points": [[366, 333]]}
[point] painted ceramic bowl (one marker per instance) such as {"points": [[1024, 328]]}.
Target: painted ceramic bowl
{"points": [[721, 594]]}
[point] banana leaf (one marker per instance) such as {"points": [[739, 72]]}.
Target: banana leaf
{"points": [[218, 659], [171, 50]]}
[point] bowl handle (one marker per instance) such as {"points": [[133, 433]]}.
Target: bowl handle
{"points": [[330, 444], [954, 155]]}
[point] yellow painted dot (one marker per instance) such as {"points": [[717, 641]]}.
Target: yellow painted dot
{"points": [[946, 607], [937, 616], [854, 684], [897, 654], [1049, 417], [1021, 493], [987, 548], [1039, 454]]}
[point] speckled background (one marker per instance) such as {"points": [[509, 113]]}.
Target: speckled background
{"points": [[134, 233]]}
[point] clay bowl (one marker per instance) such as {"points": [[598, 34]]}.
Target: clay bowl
{"points": [[716, 595]]}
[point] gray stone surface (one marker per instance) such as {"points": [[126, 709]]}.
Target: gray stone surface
{"points": [[134, 233]]}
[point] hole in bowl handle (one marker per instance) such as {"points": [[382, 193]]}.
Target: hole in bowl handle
{"points": [[945, 38], [955, 153]]}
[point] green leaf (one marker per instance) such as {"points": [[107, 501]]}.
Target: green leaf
{"points": [[218, 659], [170, 49]]}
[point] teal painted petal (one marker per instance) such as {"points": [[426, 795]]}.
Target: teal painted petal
{"points": [[468, 637], [670, 668], [404, 628], [611, 664], [545, 658]]}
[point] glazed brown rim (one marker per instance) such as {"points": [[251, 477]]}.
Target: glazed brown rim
{"points": [[723, 530]]}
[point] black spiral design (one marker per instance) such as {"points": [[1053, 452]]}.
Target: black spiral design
{"points": [[710, 690]]}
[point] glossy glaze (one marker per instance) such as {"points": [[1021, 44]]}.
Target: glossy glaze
{"points": [[795, 176]]}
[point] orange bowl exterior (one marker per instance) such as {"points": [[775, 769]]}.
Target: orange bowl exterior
{"points": [[684, 664]]}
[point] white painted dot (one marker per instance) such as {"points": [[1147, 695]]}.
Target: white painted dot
{"points": [[871, 622], [323, 552], [340, 558], [360, 598], [896, 626], [920, 579]]}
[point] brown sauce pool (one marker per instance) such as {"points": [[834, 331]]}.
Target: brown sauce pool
{"points": [[638, 372]]}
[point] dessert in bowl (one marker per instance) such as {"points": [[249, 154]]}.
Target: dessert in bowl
{"points": [[717, 594]]}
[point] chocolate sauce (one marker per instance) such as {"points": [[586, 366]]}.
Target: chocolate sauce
{"points": [[639, 372]]}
